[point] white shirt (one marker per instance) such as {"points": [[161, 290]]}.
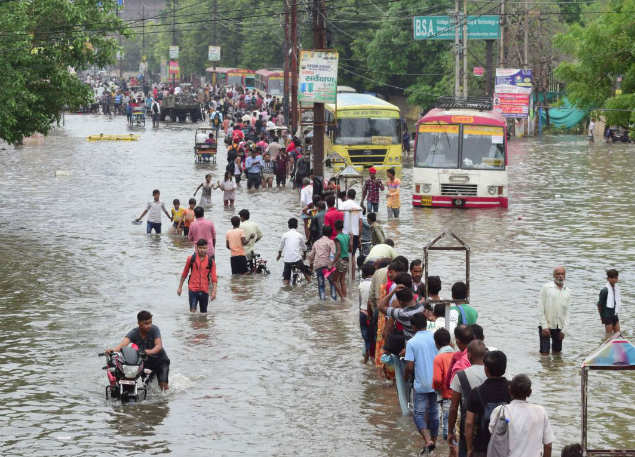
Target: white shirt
{"points": [[364, 292], [382, 251], [553, 306], [352, 213], [529, 428], [154, 211], [250, 227], [292, 246], [306, 195]]}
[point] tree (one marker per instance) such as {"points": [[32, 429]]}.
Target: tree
{"points": [[603, 52], [43, 41]]}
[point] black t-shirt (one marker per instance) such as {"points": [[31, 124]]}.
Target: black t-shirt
{"points": [[146, 343], [493, 390]]}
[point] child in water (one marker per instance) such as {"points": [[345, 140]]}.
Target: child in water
{"points": [[188, 216], [228, 186], [178, 215]]}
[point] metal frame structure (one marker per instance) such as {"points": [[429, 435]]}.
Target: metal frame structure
{"points": [[584, 374], [431, 246]]}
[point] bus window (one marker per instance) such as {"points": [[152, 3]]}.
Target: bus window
{"points": [[483, 148], [250, 81], [437, 146], [352, 131]]}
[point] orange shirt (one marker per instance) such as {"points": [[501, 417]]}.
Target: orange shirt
{"points": [[234, 239], [198, 278], [440, 371], [188, 218]]}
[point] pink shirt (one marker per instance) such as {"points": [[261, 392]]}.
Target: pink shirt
{"points": [[201, 228]]}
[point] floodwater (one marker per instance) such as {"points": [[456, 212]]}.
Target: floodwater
{"points": [[271, 370]]}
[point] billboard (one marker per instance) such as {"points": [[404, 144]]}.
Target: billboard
{"points": [[173, 52], [173, 69], [317, 78], [442, 28], [512, 91], [213, 53]]}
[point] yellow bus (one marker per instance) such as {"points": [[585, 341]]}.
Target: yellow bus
{"points": [[364, 131]]}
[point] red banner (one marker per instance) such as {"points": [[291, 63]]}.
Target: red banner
{"points": [[173, 69], [510, 104]]}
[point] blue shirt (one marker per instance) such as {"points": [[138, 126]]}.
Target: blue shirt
{"points": [[254, 164], [421, 350]]}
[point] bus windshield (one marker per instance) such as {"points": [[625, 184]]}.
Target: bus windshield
{"points": [[483, 148], [367, 131], [275, 86], [235, 80], [250, 81], [437, 146]]}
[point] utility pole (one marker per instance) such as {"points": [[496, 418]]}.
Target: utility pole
{"points": [[501, 44], [120, 52], [526, 53], [457, 46], [294, 66], [319, 130], [143, 47], [174, 41], [465, 73], [489, 62], [214, 43], [285, 94]]}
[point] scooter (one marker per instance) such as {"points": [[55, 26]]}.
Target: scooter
{"points": [[126, 374]]}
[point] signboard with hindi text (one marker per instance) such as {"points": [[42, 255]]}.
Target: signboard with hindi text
{"points": [[511, 92], [173, 52], [317, 77], [442, 27], [213, 53]]}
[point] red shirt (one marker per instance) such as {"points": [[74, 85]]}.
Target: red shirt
{"points": [[332, 215], [198, 279]]}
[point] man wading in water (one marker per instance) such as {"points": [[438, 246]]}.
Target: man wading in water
{"points": [[609, 303], [148, 337], [553, 312]]}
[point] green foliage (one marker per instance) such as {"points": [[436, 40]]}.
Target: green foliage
{"points": [[603, 49], [42, 40]]}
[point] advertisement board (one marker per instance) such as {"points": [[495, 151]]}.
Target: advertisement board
{"points": [[317, 78], [173, 69], [512, 91], [173, 52], [213, 53], [442, 28]]}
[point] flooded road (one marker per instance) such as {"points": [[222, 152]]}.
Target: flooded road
{"points": [[271, 370]]}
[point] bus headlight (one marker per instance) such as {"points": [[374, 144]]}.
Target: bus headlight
{"points": [[492, 190], [426, 188]]}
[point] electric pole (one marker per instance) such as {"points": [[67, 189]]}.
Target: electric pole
{"points": [[457, 46], [285, 94], [214, 38], [501, 44], [174, 41], [294, 66], [319, 130], [465, 73]]}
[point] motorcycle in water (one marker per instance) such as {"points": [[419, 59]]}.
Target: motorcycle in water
{"points": [[127, 376], [257, 264]]}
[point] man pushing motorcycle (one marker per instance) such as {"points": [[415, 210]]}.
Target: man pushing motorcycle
{"points": [[148, 338]]}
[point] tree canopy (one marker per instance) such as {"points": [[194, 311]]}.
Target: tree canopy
{"points": [[603, 51], [43, 43]]}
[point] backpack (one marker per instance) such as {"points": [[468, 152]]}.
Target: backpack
{"points": [[210, 261], [498, 445], [465, 391], [216, 120], [155, 109], [488, 408]]}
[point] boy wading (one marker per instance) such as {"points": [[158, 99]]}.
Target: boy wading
{"points": [[202, 270], [609, 303]]}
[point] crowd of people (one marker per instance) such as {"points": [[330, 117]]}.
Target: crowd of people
{"points": [[460, 387]]}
